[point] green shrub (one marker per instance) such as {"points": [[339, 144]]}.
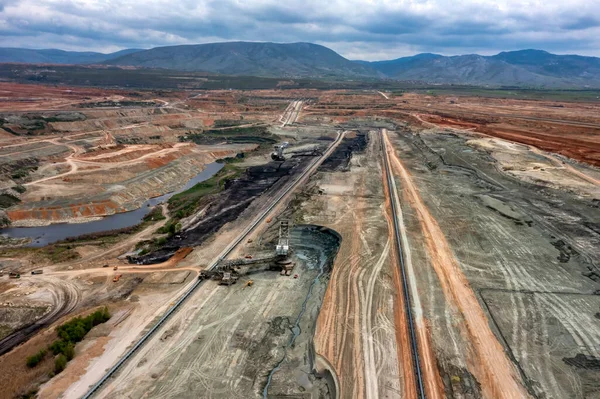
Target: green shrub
{"points": [[19, 188], [60, 363], [69, 351], [74, 330], [31, 394], [33, 360], [154, 214]]}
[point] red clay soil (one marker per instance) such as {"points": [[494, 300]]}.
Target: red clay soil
{"points": [[24, 97], [572, 144], [577, 142], [56, 213]]}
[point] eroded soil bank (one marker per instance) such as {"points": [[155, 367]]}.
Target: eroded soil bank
{"points": [[44, 235]]}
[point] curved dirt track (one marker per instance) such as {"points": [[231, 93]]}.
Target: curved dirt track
{"points": [[360, 329], [65, 295]]}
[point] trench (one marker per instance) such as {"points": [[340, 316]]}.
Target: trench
{"points": [[44, 235], [320, 254]]}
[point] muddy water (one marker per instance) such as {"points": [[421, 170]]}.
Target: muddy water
{"points": [[45, 235], [316, 248]]}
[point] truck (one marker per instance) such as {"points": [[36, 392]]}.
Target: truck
{"points": [[14, 275], [116, 278], [39, 271]]}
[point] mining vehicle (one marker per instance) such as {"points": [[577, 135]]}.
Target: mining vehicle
{"points": [[277, 155], [40, 271], [117, 278], [228, 279]]}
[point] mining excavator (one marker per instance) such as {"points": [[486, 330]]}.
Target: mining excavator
{"points": [[225, 276], [277, 155]]}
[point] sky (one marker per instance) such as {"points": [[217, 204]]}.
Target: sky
{"points": [[357, 29]]}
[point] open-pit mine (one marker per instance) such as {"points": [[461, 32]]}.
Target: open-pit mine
{"points": [[297, 243]]}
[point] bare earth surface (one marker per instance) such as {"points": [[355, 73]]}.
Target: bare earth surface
{"points": [[498, 214]]}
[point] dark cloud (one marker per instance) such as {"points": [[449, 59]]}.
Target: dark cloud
{"points": [[355, 28]]}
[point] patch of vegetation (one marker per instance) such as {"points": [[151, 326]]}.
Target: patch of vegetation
{"points": [[154, 215], [258, 131], [72, 332], [237, 159], [171, 228], [31, 394], [7, 200], [518, 93], [148, 246], [58, 253], [4, 222], [162, 79], [35, 359], [19, 188], [186, 203], [19, 174], [69, 334], [129, 140], [18, 170], [229, 122]]}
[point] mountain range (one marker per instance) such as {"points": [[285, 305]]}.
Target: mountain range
{"points": [[532, 68], [54, 56]]}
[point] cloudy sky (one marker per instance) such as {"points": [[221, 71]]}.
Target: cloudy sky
{"points": [[357, 29]]}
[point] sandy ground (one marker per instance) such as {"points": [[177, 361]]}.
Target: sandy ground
{"points": [[505, 260], [226, 343], [492, 367], [358, 324], [501, 246], [123, 329]]}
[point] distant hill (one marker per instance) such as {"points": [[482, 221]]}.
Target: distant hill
{"points": [[514, 68], [250, 58], [53, 56], [529, 68]]}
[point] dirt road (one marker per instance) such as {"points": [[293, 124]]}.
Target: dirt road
{"points": [[291, 113], [359, 337], [432, 386], [493, 369], [65, 294]]}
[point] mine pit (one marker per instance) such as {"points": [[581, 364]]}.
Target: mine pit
{"points": [[251, 235]]}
